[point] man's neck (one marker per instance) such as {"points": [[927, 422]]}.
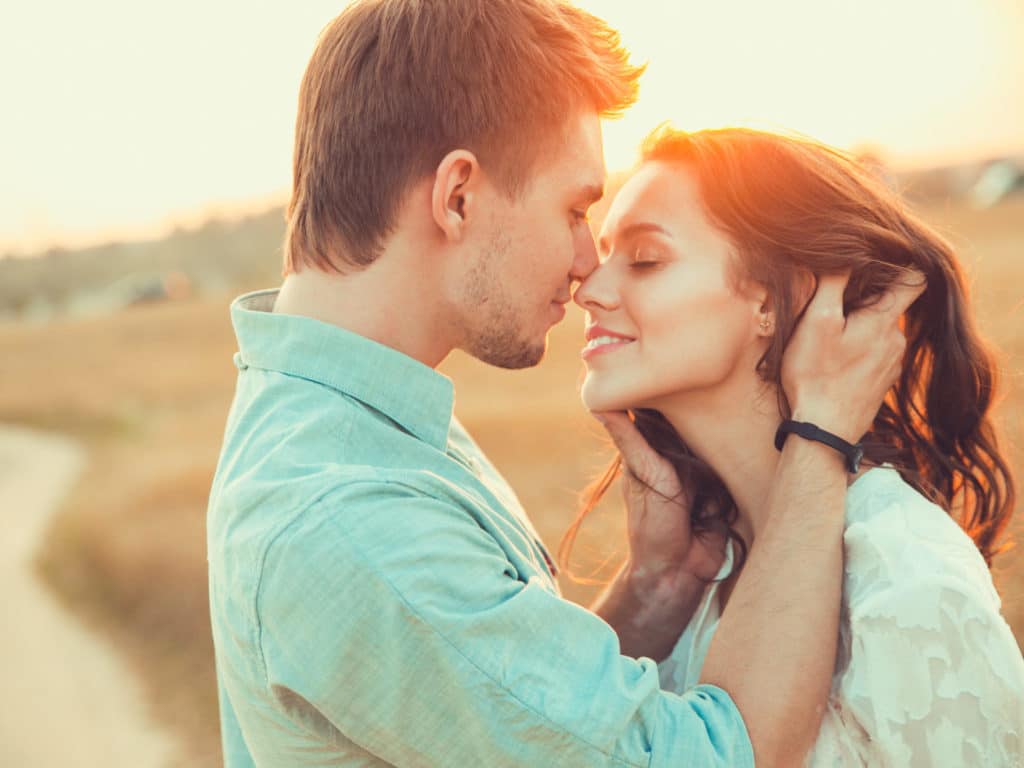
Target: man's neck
{"points": [[384, 303]]}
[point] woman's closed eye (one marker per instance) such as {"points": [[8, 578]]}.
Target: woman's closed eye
{"points": [[645, 257]]}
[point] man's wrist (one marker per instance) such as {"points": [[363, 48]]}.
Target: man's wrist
{"points": [[828, 419], [659, 583], [852, 452], [823, 457], [648, 609]]}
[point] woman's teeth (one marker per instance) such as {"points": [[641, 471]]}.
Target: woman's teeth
{"points": [[601, 341]]}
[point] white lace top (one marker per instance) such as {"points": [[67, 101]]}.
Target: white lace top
{"points": [[928, 672]]}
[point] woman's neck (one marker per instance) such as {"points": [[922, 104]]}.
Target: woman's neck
{"points": [[732, 429]]}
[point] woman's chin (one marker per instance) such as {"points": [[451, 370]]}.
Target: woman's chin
{"points": [[594, 399]]}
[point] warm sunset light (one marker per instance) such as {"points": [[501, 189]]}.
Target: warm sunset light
{"points": [[722, 465], [120, 121]]}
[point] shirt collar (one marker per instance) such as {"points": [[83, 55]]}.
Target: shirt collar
{"points": [[405, 390]]}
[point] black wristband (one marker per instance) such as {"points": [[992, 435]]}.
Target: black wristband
{"points": [[853, 452]]}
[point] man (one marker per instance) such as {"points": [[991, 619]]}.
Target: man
{"points": [[378, 595]]}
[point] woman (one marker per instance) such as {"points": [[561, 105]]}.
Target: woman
{"points": [[709, 254]]}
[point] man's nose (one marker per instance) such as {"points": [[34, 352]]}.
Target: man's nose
{"points": [[585, 258]]}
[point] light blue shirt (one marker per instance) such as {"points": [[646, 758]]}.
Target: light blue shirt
{"points": [[379, 597]]}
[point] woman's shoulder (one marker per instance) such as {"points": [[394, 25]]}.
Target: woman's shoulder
{"points": [[923, 649], [897, 541]]}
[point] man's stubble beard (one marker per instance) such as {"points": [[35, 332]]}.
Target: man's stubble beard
{"points": [[493, 330]]}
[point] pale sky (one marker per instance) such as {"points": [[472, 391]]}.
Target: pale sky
{"points": [[124, 117]]}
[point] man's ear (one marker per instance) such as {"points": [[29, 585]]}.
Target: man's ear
{"points": [[452, 196]]}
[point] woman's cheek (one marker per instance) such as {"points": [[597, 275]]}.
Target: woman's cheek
{"points": [[697, 344]]}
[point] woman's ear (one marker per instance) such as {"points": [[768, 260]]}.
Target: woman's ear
{"points": [[766, 318], [762, 306], [452, 194]]}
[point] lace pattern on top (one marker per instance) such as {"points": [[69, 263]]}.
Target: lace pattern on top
{"points": [[928, 672]]}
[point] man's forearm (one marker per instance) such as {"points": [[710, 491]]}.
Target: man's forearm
{"points": [[775, 647], [648, 611]]}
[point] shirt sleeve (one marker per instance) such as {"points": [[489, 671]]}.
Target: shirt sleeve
{"points": [[935, 676], [235, 752], [402, 624]]}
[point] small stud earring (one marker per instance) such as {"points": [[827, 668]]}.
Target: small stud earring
{"points": [[766, 325]]}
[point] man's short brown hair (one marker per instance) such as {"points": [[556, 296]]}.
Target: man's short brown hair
{"points": [[394, 85]]}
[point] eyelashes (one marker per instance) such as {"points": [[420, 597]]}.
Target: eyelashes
{"points": [[642, 266], [644, 257]]}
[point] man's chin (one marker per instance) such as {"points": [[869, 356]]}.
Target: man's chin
{"points": [[527, 357], [512, 357]]}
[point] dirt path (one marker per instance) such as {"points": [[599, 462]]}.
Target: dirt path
{"points": [[67, 699]]}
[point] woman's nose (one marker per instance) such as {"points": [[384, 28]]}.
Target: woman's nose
{"points": [[598, 290]]}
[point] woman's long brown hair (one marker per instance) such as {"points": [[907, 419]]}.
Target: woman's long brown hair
{"points": [[792, 207]]}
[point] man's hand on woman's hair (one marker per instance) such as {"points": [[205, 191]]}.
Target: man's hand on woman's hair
{"points": [[837, 369]]}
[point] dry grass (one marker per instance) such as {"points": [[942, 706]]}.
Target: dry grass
{"points": [[148, 391]]}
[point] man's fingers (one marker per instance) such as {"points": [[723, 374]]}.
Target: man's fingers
{"points": [[898, 297], [824, 312], [882, 317], [828, 296], [623, 432], [905, 292], [637, 455]]}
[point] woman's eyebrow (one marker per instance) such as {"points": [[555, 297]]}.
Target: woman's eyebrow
{"points": [[637, 228]]}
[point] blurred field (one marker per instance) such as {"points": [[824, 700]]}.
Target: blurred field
{"points": [[148, 390]]}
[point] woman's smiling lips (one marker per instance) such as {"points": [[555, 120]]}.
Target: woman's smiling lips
{"points": [[601, 340]]}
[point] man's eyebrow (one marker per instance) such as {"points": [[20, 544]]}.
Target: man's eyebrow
{"points": [[637, 228]]}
